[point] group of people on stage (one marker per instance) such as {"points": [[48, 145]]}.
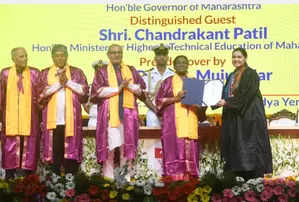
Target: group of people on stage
{"points": [[53, 97]]}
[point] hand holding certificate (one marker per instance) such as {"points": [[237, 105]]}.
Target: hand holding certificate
{"points": [[202, 93], [213, 92]]}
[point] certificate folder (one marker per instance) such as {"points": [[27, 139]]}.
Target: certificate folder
{"points": [[202, 92], [194, 88]]}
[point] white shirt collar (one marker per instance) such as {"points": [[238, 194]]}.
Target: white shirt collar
{"points": [[167, 71]]}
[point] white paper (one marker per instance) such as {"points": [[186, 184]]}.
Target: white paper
{"points": [[212, 92]]}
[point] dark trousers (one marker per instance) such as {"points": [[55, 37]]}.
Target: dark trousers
{"points": [[70, 166], [10, 173]]}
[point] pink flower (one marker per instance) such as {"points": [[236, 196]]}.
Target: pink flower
{"points": [[292, 193], [283, 198], [216, 198], [269, 182], [291, 184], [268, 191], [228, 193], [250, 196], [82, 198], [265, 195], [234, 199], [279, 181], [239, 198], [277, 190], [268, 188], [225, 199], [70, 193]]}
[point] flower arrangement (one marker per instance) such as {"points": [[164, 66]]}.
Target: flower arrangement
{"points": [[58, 187], [285, 155], [259, 189], [210, 161], [89, 164], [5, 191], [97, 188], [174, 190], [201, 193], [285, 152], [145, 185], [25, 189], [83, 188], [142, 175]]}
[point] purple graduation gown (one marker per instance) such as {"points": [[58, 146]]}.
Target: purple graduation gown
{"points": [[179, 155], [72, 145], [11, 144], [130, 121]]}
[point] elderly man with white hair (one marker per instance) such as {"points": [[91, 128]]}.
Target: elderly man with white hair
{"points": [[20, 115], [115, 89]]}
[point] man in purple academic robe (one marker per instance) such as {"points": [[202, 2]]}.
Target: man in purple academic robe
{"points": [[125, 135], [19, 151], [59, 147]]}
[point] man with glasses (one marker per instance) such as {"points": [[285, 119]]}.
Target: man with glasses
{"points": [[115, 89]]}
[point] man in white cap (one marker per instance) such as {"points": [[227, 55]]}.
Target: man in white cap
{"points": [[153, 79]]}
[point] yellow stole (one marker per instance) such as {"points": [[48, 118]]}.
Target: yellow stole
{"points": [[128, 97], [186, 120], [69, 110], [18, 104]]}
